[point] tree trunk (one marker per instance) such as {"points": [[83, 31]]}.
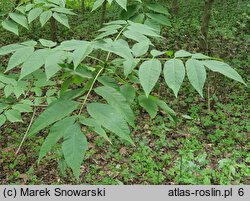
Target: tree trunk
{"points": [[53, 29], [104, 9], [83, 6], [175, 7], [205, 24]]}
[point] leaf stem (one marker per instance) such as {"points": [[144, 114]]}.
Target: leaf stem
{"points": [[31, 121], [100, 71], [96, 59], [119, 78], [90, 89], [116, 38], [181, 58]]}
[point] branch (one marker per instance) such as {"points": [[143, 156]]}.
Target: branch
{"points": [[31, 121]]}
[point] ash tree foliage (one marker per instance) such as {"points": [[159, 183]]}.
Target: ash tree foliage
{"points": [[44, 10], [125, 77]]}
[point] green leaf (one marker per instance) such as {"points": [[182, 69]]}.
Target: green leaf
{"points": [[109, 118], [182, 53], [44, 17], [122, 3], [105, 34], [196, 74], [81, 53], [51, 92], [108, 81], [61, 18], [159, 18], [156, 53], [29, 43], [3, 106], [153, 24], [10, 26], [129, 66], [199, 56], [121, 22], [149, 74], [110, 28], [186, 117], [62, 165], [170, 53], [7, 80], [26, 101], [110, 1], [13, 116], [174, 73], [158, 8], [21, 9], [74, 146], [140, 48], [35, 61], [118, 101], [22, 108], [138, 18], [8, 90], [95, 126], [65, 85], [2, 85], [10, 48], [105, 44], [47, 43], [18, 91], [20, 56], [57, 131], [29, 7], [56, 111], [139, 37], [37, 90], [165, 107], [97, 4], [63, 10], [122, 49], [57, 2], [128, 91], [34, 13], [224, 69], [143, 29], [71, 44], [19, 19], [51, 100], [149, 104], [52, 63], [2, 120], [132, 10]]}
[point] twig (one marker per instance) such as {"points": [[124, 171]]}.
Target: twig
{"points": [[31, 121], [96, 59], [100, 71], [208, 99], [91, 87], [116, 38]]}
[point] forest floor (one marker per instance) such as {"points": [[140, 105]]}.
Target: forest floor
{"points": [[209, 145]]}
